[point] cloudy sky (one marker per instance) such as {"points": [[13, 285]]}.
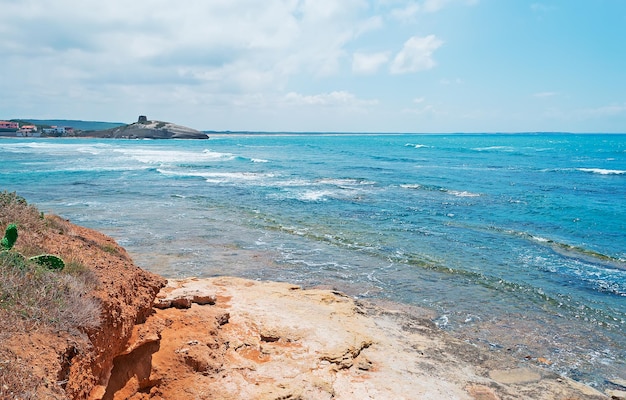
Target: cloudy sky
{"points": [[319, 65]]}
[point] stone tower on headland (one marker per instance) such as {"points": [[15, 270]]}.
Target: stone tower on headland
{"points": [[142, 119]]}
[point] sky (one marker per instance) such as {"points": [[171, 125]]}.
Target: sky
{"points": [[432, 66]]}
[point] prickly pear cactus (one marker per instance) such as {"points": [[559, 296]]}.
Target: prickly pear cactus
{"points": [[49, 261], [10, 236]]}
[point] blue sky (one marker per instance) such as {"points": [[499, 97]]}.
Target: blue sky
{"points": [[319, 65]]}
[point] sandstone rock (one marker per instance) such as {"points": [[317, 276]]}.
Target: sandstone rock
{"points": [[267, 340], [181, 302], [617, 394], [480, 392], [517, 375]]}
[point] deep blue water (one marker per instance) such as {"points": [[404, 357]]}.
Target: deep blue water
{"points": [[516, 242]]}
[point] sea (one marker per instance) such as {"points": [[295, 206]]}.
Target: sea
{"points": [[515, 243]]}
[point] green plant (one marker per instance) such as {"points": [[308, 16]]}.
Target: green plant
{"points": [[10, 236], [49, 261]]}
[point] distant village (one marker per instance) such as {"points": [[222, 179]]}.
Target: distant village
{"points": [[12, 128]]}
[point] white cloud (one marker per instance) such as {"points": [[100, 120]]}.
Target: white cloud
{"points": [[406, 13], [416, 55], [418, 100], [446, 81], [368, 63], [234, 44], [332, 99], [104, 60], [434, 5]]}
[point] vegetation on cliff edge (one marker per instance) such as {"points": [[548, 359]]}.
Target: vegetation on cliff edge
{"points": [[33, 297]]}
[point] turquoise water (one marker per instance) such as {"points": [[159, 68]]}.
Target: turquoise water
{"points": [[515, 242]]}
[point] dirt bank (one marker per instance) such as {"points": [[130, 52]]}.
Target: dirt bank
{"points": [[61, 364]]}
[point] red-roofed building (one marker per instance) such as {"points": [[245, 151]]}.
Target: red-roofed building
{"points": [[28, 130], [8, 126]]}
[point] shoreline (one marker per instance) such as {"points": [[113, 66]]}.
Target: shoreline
{"points": [[234, 338]]}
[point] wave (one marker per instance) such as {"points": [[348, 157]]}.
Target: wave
{"points": [[319, 195], [316, 195], [158, 156], [432, 188], [494, 148], [416, 146], [295, 182], [411, 186], [219, 177], [602, 171], [341, 182], [56, 148], [248, 159], [570, 251], [462, 193]]}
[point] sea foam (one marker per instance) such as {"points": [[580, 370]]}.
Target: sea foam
{"points": [[602, 171]]}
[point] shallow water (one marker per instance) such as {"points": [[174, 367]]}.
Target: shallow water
{"points": [[515, 241]]}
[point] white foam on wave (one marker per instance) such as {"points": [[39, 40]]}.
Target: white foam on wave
{"points": [[294, 182], [218, 177], [602, 171], [56, 147], [258, 160], [463, 193], [315, 195], [101, 168], [344, 182], [540, 239], [493, 148], [157, 156], [234, 176], [411, 186], [416, 146]]}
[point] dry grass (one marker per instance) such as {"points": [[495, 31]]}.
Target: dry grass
{"points": [[31, 292], [32, 297], [40, 296]]}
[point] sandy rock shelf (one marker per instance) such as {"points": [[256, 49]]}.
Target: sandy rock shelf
{"points": [[230, 338]]}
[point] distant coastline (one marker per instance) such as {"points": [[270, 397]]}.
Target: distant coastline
{"points": [[86, 127]]}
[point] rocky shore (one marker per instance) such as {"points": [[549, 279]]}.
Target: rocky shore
{"points": [[231, 338]]}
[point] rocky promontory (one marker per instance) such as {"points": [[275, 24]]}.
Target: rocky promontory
{"points": [[148, 129]]}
